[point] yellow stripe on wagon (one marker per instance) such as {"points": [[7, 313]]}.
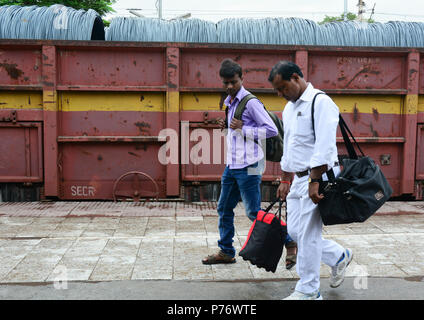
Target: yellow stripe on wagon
{"points": [[421, 103], [201, 101], [383, 104], [21, 100], [112, 101]]}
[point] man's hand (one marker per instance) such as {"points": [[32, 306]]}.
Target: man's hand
{"points": [[221, 123], [284, 187], [316, 173], [236, 124], [283, 190], [314, 192]]}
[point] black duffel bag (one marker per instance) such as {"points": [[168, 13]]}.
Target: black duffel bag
{"points": [[358, 191], [265, 241]]}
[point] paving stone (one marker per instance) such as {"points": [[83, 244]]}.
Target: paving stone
{"points": [[86, 247], [160, 226], [412, 269], [80, 262], [133, 221], [122, 247], [70, 230], [211, 226], [36, 231], [243, 225], [131, 227], [188, 253], [387, 209], [9, 263], [19, 244], [77, 220], [130, 232], [33, 268], [376, 270], [154, 259], [10, 231], [16, 221], [190, 226], [54, 244], [113, 268], [235, 271], [98, 233], [406, 207], [44, 221]]}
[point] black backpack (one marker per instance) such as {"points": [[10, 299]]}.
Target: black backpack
{"points": [[274, 145]]}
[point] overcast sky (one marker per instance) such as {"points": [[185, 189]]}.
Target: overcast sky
{"points": [[215, 10]]}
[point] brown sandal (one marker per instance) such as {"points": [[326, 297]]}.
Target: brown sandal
{"points": [[217, 258], [291, 258]]}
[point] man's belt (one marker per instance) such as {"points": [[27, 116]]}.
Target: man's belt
{"points": [[301, 174]]}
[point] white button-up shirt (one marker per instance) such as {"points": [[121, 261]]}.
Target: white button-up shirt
{"points": [[301, 150]]}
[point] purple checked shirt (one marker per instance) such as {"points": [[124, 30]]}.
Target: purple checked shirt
{"points": [[257, 124]]}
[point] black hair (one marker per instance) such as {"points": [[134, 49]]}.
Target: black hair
{"points": [[229, 68], [285, 69]]}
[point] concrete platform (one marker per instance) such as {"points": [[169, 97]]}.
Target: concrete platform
{"points": [[56, 242]]}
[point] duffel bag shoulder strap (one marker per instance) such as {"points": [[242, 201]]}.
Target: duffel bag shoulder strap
{"points": [[343, 128], [349, 146], [313, 112]]}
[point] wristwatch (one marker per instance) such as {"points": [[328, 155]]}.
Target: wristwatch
{"points": [[310, 180]]}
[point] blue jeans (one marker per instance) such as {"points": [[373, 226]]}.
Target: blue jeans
{"points": [[288, 239], [236, 183]]}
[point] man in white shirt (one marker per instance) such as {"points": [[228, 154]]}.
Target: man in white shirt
{"points": [[306, 158]]}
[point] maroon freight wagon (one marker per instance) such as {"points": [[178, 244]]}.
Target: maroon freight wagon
{"points": [[113, 120]]}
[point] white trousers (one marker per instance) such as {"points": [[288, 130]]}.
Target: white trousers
{"points": [[304, 226]]}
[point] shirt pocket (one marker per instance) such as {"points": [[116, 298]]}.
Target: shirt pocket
{"points": [[303, 126]]}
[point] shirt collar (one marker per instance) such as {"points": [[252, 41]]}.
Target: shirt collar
{"points": [[308, 94], [240, 95]]}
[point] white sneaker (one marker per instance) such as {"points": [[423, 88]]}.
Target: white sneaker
{"points": [[339, 270], [297, 295]]}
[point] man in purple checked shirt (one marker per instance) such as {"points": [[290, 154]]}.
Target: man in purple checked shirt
{"points": [[244, 161]]}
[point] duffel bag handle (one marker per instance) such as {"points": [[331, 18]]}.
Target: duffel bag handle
{"points": [[279, 207]]}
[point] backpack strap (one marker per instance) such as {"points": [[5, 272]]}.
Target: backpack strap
{"points": [[242, 106]]}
